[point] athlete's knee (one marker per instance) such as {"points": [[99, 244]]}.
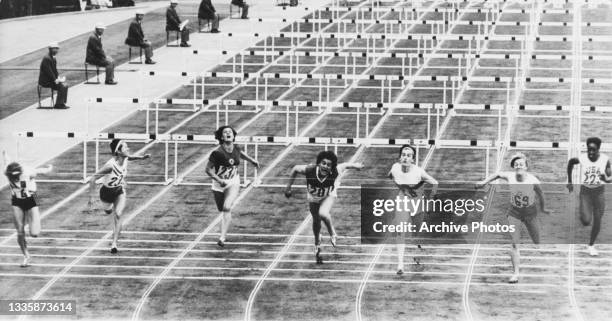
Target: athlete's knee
{"points": [[324, 215], [586, 221]]}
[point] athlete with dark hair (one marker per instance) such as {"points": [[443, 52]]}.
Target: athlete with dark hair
{"points": [[222, 167], [524, 187], [594, 172], [24, 201], [322, 180], [112, 192]]}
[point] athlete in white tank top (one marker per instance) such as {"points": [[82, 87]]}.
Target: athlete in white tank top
{"points": [[594, 172], [116, 177], [524, 190]]}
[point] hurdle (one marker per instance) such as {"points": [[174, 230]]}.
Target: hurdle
{"points": [[88, 138], [174, 141]]}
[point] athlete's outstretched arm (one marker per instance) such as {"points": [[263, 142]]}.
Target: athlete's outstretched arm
{"points": [[92, 183], [430, 180], [344, 166], [540, 194], [138, 157], [490, 179], [42, 170], [297, 169], [570, 168], [251, 160]]}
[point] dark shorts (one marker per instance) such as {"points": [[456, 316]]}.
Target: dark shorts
{"points": [[110, 194], [525, 214], [25, 204], [593, 200]]}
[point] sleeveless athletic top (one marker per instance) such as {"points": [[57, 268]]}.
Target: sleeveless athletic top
{"points": [[590, 171], [318, 187], [522, 194], [117, 175]]}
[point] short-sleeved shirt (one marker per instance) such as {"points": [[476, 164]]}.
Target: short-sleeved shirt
{"points": [[319, 187], [522, 194], [25, 187], [590, 171], [225, 164]]}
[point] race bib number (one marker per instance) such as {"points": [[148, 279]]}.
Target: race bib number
{"points": [[227, 172], [23, 190], [319, 191], [591, 176], [520, 200], [115, 181]]}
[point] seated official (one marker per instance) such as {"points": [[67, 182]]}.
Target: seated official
{"points": [[96, 56], [49, 77], [244, 6], [173, 23], [136, 37], [207, 12]]}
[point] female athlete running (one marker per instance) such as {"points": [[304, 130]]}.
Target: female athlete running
{"points": [[322, 180]]}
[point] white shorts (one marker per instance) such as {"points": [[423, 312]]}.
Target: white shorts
{"points": [[231, 182]]}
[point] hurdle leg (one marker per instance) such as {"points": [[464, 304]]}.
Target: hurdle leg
{"points": [[85, 160], [176, 162], [166, 161]]}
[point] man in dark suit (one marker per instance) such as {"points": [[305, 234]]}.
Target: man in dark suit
{"points": [[49, 77], [173, 23], [136, 37], [244, 6], [97, 57], [207, 12]]}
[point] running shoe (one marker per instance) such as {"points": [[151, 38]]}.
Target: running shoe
{"points": [[318, 255]]}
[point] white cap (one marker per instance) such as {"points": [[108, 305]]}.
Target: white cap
{"points": [[100, 25], [174, 1], [54, 45], [140, 11]]}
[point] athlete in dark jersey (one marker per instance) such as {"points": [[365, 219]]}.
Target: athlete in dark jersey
{"points": [[322, 180], [24, 202], [222, 167]]}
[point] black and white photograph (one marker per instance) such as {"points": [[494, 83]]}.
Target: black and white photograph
{"points": [[440, 160]]}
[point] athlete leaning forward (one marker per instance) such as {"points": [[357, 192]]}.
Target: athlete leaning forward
{"points": [[409, 178], [113, 190], [24, 201], [524, 189], [322, 181]]}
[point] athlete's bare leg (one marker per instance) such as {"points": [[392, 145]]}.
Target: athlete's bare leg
{"points": [[230, 194], [325, 215], [119, 206], [514, 251], [19, 222]]}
